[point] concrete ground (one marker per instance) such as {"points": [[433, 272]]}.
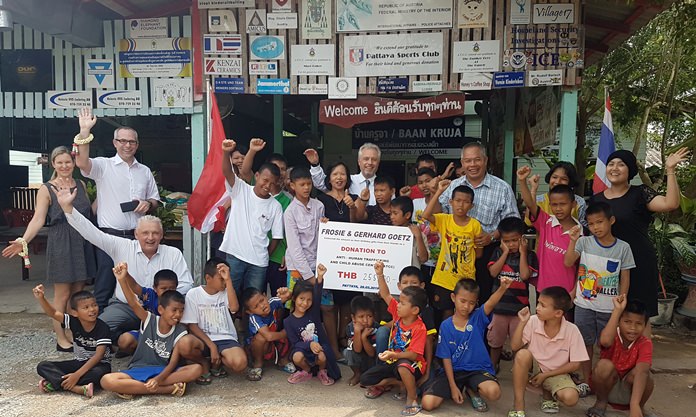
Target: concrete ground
{"points": [[26, 339]]}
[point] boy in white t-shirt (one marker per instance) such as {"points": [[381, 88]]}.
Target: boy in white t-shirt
{"points": [[253, 214], [604, 273], [208, 316]]}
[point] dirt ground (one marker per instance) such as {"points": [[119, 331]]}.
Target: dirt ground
{"points": [[25, 339]]}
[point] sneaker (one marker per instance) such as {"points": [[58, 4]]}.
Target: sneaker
{"points": [[299, 376], [513, 413], [583, 390], [325, 378], [550, 407]]}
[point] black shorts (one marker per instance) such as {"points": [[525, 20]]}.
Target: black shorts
{"points": [[221, 346], [439, 386], [381, 371], [442, 299]]}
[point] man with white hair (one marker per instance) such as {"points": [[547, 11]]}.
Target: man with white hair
{"points": [[369, 156], [145, 256], [126, 190]]}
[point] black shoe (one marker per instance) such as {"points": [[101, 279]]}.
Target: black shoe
{"points": [[59, 348]]}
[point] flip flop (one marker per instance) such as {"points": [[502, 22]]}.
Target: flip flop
{"points": [[204, 379], [46, 386], [398, 396], [411, 410], [477, 403], [595, 412], [254, 374], [179, 389], [88, 390], [125, 396], [289, 368], [584, 389], [219, 372], [375, 392]]}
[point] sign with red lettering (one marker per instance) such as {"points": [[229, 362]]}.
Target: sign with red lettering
{"points": [[366, 109], [349, 252]]}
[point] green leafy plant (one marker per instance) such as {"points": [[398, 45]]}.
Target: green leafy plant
{"points": [[166, 214]]}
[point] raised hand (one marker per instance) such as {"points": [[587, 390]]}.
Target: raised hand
{"points": [[228, 145], [349, 202], [442, 185], [121, 270], [415, 230], [87, 120], [524, 315], [38, 291], [365, 194], [674, 159], [523, 245], [448, 172], [224, 272], [312, 156], [505, 282], [523, 173], [64, 196], [405, 191], [620, 302], [504, 247], [379, 268], [575, 233], [533, 182], [283, 293], [321, 271], [257, 145]]}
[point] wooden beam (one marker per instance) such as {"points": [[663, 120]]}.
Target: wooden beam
{"points": [[612, 26], [172, 8], [596, 46]]}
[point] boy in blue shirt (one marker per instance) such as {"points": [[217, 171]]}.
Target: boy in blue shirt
{"points": [[462, 349], [164, 280], [266, 340]]}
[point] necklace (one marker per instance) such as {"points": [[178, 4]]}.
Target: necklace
{"points": [[339, 203]]}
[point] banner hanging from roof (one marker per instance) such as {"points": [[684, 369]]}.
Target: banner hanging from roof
{"points": [[366, 109]]}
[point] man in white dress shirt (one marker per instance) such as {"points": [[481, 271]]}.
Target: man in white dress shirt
{"points": [[369, 156], [120, 179], [145, 256]]}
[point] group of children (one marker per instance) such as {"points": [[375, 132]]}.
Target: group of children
{"points": [[182, 340]]}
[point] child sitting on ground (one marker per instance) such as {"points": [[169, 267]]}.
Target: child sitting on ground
{"points": [[514, 260], [91, 346], [622, 375], [604, 273], [361, 333], [462, 349], [309, 345], [403, 360], [554, 349], [208, 317], [265, 340], [459, 252], [164, 280], [154, 368]]}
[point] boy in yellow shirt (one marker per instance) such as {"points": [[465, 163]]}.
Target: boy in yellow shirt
{"points": [[458, 251]]}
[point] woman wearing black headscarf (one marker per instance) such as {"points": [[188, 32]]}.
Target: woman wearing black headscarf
{"points": [[633, 207]]}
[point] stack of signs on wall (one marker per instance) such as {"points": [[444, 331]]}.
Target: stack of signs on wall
{"points": [[551, 39], [536, 119], [476, 61], [473, 14], [387, 15], [156, 57], [315, 20]]}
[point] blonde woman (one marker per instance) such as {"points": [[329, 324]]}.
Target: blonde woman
{"points": [[69, 258]]}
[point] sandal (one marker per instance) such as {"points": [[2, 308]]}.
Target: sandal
{"points": [[204, 379], [46, 386], [375, 392], [477, 403], [125, 396], [88, 390], [513, 413], [299, 376], [584, 390], [289, 368], [179, 389], [550, 407], [254, 374], [398, 396], [220, 372], [411, 410], [506, 355], [595, 412], [325, 378]]}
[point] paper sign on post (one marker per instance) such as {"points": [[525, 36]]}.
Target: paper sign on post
{"points": [[349, 252]]}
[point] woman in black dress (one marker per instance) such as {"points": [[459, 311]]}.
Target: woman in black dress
{"points": [[339, 206], [633, 207]]}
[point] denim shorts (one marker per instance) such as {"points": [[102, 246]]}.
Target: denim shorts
{"points": [[590, 323]]}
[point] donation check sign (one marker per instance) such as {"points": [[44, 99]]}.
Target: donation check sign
{"points": [[349, 252]]}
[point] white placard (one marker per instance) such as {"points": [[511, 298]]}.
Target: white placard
{"points": [[349, 252], [171, 92], [222, 21], [281, 6], [263, 68], [119, 99], [544, 78], [312, 60], [59, 99], [520, 12], [313, 89], [553, 13], [476, 81], [256, 20], [223, 66], [402, 54], [388, 15], [343, 87], [476, 56], [222, 4], [473, 14], [315, 19], [157, 27], [281, 20], [99, 73], [426, 86]]}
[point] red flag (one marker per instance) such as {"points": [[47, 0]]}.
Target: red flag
{"points": [[209, 193]]}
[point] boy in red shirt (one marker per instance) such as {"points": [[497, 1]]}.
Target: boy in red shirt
{"points": [[622, 375]]}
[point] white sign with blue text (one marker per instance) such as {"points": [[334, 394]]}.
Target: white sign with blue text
{"points": [[273, 86], [68, 99], [119, 99]]}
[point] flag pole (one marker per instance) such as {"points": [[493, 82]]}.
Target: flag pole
{"points": [[207, 149]]}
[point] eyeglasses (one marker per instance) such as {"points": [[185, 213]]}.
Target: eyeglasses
{"points": [[127, 142]]}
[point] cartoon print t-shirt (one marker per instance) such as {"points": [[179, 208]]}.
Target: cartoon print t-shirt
{"points": [[432, 237], [457, 253], [409, 338]]}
